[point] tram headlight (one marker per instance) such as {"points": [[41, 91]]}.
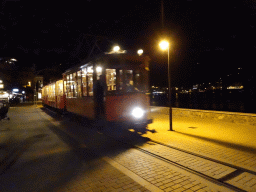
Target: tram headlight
{"points": [[138, 112]]}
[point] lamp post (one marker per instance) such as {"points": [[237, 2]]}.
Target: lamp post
{"points": [[165, 45]]}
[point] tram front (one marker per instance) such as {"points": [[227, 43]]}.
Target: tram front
{"points": [[127, 95]]}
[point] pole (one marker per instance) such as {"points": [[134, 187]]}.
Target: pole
{"points": [[169, 95]]}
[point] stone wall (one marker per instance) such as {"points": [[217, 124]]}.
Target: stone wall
{"points": [[232, 117]]}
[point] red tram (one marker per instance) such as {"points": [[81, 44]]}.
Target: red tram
{"points": [[125, 83]]}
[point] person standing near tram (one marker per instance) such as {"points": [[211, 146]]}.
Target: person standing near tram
{"points": [[99, 91]]}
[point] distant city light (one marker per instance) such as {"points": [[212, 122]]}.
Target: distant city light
{"points": [[235, 87], [15, 90], [13, 59]]}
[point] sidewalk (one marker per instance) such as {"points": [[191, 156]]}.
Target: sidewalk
{"points": [[129, 170], [153, 174], [227, 142], [48, 163]]}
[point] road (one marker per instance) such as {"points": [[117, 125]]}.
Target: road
{"points": [[43, 151]]}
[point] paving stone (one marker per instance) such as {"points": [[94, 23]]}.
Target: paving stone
{"points": [[244, 181]]}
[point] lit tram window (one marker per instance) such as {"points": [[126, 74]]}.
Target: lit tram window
{"points": [[84, 81], [90, 81], [79, 83], [111, 79], [74, 84]]}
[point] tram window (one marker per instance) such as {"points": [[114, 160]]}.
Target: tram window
{"points": [[74, 84], [90, 81], [59, 88], [52, 92], [65, 87], [68, 88], [79, 84], [111, 79], [128, 81], [71, 90], [141, 81], [128, 76], [138, 80], [131, 81], [84, 81]]}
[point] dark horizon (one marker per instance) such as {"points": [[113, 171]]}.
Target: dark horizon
{"points": [[208, 39]]}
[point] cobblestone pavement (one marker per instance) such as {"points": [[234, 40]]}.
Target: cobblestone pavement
{"points": [[129, 169], [226, 142], [163, 175], [207, 167], [103, 178], [51, 164]]}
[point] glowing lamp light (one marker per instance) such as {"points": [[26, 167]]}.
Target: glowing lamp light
{"points": [[140, 52], [99, 69], [116, 48], [90, 70], [138, 112], [4, 95], [15, 90], [164, 45]]}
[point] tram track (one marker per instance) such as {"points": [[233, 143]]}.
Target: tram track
{"points": [[222, 180], [207, 158]]}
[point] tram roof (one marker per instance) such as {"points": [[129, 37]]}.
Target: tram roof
{"points": [[104, 57]]}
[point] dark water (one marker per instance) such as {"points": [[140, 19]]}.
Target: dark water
{"points": [[233, 101]]}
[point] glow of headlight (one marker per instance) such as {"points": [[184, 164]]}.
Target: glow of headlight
{"points": [[137, 112]]}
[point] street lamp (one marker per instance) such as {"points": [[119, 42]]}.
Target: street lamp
{"points": [[165, 45]]}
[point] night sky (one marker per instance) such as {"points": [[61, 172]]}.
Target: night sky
{"points": [[209, 39]]}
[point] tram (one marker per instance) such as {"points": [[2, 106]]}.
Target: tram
{"points": [[125, 81]]}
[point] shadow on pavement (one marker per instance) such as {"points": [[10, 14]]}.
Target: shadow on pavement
{"points": [[42, 173], [87, 143], [223, 143], [98, 136], [51, 169]]}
